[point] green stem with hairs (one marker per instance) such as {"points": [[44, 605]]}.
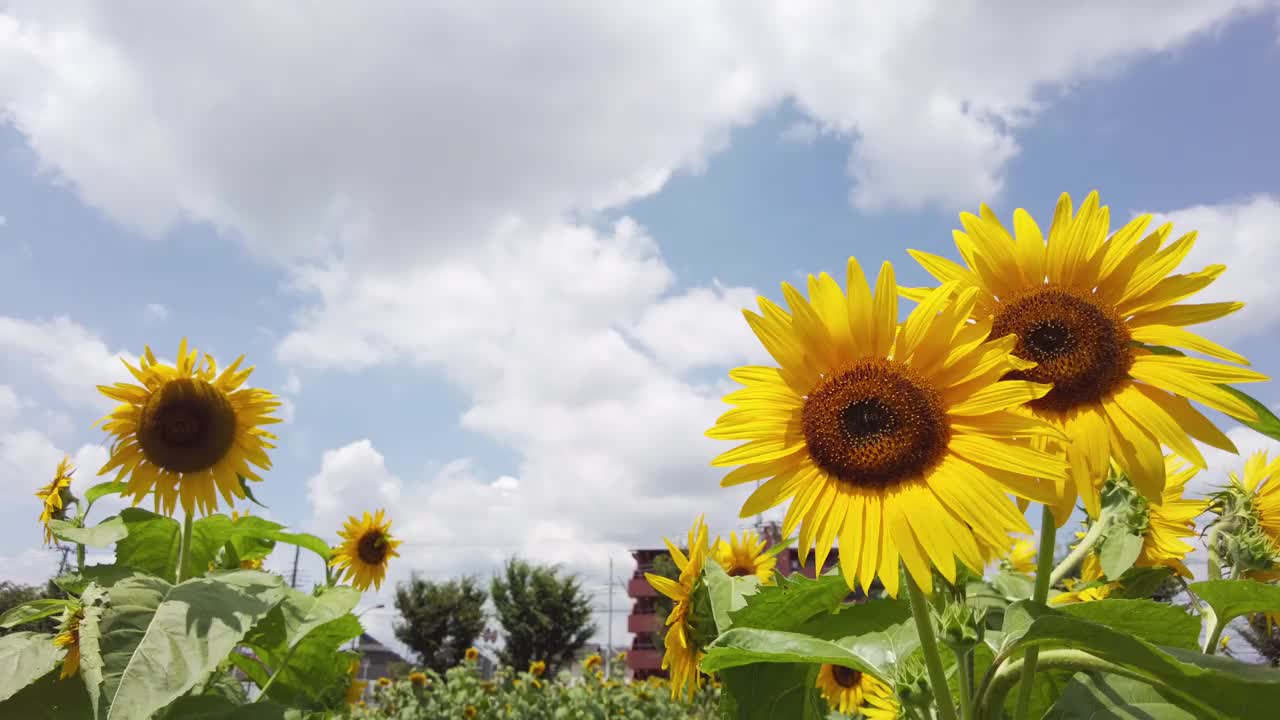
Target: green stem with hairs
{"points": [[1219, 624], [184, 550], [1044, 568], [929, 644], [964, 664], [1087, 543]]}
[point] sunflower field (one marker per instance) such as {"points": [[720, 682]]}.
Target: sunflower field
{"points": [[908, 433]]}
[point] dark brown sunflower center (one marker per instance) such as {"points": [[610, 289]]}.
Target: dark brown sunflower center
{"points": [[846, 677], [875, 423], [372, 547], [1080, 344], [740, 571], [186, 426]]}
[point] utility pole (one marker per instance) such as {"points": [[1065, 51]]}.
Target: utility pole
{"points": [[293, 578], [608, 654], [63, 564]]}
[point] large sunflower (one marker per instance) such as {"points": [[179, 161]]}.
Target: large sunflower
{"points": [[367, 547], [682, 656], [1262, 489], [899, 443], [188, 431], [54, 497], [1080, 305], [850, 691], [745, 556], [1166, 524]]}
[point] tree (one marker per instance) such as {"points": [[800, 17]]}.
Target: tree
{"points": [[440, 619], [546, 616], [12, 595]]}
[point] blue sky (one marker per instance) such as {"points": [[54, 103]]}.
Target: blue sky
{"points": [[434, 277]]}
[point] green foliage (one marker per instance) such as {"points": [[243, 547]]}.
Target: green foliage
{"points": [[31, 611], [440, 619], [104, 489], [1151, 621], [790, 603], [24, 658], [1233, 598], [726, 594], [545, 616], [13, 595], [1120, 548], [102, 535], [1113, 697]]}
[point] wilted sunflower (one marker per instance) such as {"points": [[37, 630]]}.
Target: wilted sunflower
{"points": [[471, 655], [188, 431], [366, 550], [745, 556], [899, 443], [681, 657], [1165, 524], [54, 497], [69, 637], [1078, 305], [851, 692], [1023, 556], [537, 668]]}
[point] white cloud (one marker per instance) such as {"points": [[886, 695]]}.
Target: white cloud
{"points": [[351, 478], [155, 313], [69, 356], [1239, 235], [3, 220], [292, 384], [702, 327], [9, 404], [800, 132], [355, 134]]}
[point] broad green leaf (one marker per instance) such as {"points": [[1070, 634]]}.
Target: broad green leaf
{"points": [[103, 489], [103, 535], [1120, 548], [768, 691], [300, 613], [1015, 586], [726, 593], [310, 676], [92, 606], [1152, 621], [1141, 583], [1017, 620], [151, 546], [1113, 697], [24, 658], [48, 698], [786, 607], [866, 618], [32, 611], [208, 535], [158, 640], [1267, 423], [105, 575], [1233, 598], [256, 527], [212, 707], [745, 646], [1234, 689]]}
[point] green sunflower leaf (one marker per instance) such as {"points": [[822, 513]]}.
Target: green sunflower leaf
{"points": [[24, 658], [211, 707], [1233, 598], [255, 527], [153, 541], [726, 593], [788, 606], [1152, 621], [244, 485], [1267, 423], [32, 611], [766, 691], [104, 489], [1105, 697], [747, 646], [1120, 549], [47, 698], [103, 535]]}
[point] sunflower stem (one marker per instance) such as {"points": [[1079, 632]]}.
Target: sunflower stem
{"points": [[929, 644], [1044, 569], [1219, 624], [184, 550], [80, 558], [1087, 543], [964, 662]]}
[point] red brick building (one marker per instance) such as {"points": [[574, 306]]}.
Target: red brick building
{"points": [[645, 659]]}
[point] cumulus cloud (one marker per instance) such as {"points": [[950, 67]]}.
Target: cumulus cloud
{"points": [[155, 313], [1239, 235], [607, 101], [70, 357]]}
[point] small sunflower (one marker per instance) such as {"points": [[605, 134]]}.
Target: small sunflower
{"points": [[537, 668], [1088, 594], [366, 550], [850, 691], [188, 431], [69, 637], [1023, 556], [471, 655], [384, 682], [745, 556], [592, 662], [54, 497], [681, 657], [418, 679], [356, 687], [1078, 305], [469, 711], [900, 443]]}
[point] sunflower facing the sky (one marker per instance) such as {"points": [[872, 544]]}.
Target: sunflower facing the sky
{"points": [[1082, 306], [54, 497], [745, 556], [901, 443], [188, 431], [850, 691], [681, 657], [367, 547]]}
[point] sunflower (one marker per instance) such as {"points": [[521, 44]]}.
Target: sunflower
{"points": [[471, 655], [745, 557], [593, 662], [900, 443], [69, 637], [681, 656], [469, 711], [537, 668], [1085, 594], [1083, 307], [850, 691], [418, 679], [366, 550], [384, 682], [1023, 556], [1165, 525], [188, 431], [1262, 489], [355, 689], [54, 497]]}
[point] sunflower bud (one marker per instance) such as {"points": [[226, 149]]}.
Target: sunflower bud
{"points": [[912, 683], [961, 630], [1250, 549]]}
